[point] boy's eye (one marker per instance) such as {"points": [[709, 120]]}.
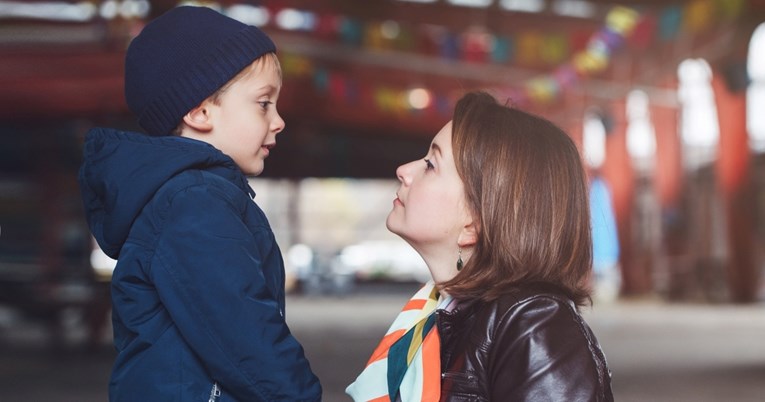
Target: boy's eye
{"points": [[428, 164], [265, 104]]}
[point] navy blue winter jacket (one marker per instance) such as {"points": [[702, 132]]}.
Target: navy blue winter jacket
{"points": [[198, 291]]}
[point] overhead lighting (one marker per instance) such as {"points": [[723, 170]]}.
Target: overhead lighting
{"points": [[390, 29], [471, 3], [525, 6], [296, 20], [56, 11], [109, 9], [419, 98], [574, 8], [134, 9], [250, 15]]}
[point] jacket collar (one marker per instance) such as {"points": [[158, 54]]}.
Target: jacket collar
{"points": [[122, 170]]}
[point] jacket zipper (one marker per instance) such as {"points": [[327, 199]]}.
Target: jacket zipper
{"points": [[214, 393]]}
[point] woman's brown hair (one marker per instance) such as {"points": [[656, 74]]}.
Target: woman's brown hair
{"points": [[527, 188]]}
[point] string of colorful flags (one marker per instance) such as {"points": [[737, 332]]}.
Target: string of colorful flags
{"points": [[622, 26], [574, 59]]}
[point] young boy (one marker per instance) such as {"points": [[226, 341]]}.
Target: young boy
{"points": [[198, 291]]}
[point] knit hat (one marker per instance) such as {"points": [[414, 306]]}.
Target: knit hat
{"points": [[181, 58]]}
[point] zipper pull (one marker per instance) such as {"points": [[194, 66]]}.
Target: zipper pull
{"points": [[214, 393]]}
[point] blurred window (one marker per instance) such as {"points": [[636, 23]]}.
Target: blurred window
{"points": [[755, 97], [641, 138], [594, 140], [332, 227], [699, 126]]}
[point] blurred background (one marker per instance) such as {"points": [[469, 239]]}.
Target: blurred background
{"points": [[665, 98]]}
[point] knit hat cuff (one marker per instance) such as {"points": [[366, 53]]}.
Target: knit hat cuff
{"points": [[207, 75]]}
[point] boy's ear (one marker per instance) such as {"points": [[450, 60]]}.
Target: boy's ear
{"points": [[199, 118]]}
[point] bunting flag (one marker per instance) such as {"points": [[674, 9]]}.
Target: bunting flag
{"points": [[574, 55]]}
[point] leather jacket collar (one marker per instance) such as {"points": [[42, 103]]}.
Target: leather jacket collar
{"points": [[530, 344]]}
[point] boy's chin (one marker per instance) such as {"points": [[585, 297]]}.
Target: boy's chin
{"points": [[252, 170]]}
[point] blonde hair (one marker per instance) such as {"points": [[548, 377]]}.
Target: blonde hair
{"points": [[254, 67]]}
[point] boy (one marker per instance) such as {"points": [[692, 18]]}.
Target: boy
{"points": [[198, 291]]}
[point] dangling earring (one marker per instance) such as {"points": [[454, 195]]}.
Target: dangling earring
{"points": [[459, 260]]}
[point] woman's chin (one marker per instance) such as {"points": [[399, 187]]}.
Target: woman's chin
{"points": [[391, 225]]}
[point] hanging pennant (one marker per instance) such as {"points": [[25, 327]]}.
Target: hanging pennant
{"points": [[565, 76], [669, 22], [643, 34], [586, 63], [503, 50], [542, 90], [321, 80], [554, 49], [529, 44], [351, 31], [622, 20], [698, 15], [295, 65], [450, 46], [730, 9]]}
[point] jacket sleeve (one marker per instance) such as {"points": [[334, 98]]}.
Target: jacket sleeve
{"points": [[208, 270], [542, 352]]}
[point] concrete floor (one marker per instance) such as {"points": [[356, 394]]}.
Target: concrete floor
{"points": [[658, 352]]}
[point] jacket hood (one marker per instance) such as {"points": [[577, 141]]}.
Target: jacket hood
{"points": [[121, 171]]}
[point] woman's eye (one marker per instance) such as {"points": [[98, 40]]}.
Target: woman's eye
{"points": [[428, 164]]}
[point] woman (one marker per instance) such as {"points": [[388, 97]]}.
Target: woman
{"points": [[498, 210]]}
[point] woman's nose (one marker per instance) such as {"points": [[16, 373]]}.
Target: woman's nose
{"points": [[403, 173]]}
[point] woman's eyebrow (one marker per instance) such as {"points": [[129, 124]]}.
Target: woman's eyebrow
{"points": [[435, 148]]}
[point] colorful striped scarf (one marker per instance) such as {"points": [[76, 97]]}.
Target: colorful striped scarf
{"points": [[407, 362]]}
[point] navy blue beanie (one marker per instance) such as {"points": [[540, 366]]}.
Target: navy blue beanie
{"points": [[181, 58]]}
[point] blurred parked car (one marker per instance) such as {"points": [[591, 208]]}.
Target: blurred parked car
{"points": [[382, 261], [371, 261]]}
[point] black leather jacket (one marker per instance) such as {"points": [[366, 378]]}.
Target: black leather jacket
{"points": [[530, 345]]}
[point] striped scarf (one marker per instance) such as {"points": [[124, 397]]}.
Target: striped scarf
{"points": [[407, 362]]}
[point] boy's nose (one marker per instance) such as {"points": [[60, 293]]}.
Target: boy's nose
{"points": [[278, 124]]}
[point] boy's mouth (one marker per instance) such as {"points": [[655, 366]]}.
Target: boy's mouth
{"points": [[267, 149]]}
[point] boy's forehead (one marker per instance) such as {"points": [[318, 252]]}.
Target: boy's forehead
{"points": [[266, 65], [264, 74]]}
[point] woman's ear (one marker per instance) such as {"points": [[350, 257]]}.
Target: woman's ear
{"points": [[469, 234], [199, 118]]}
